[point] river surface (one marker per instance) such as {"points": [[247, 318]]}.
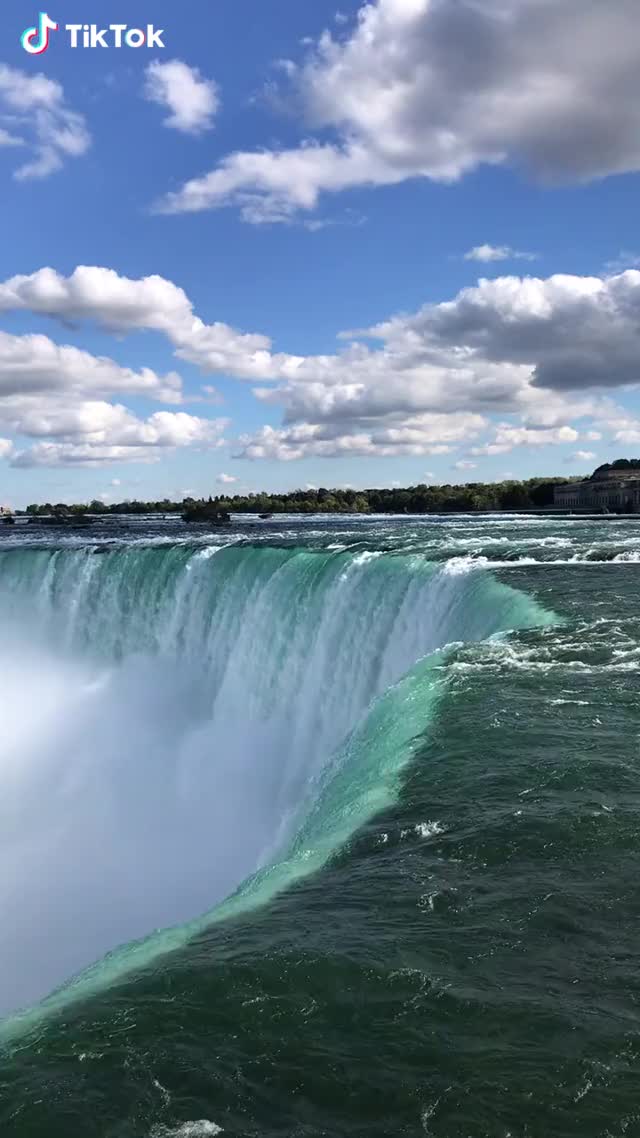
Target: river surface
{"points": [[323, 827]]}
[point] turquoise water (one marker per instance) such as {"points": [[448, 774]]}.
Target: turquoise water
{"points": [[322, 827]]}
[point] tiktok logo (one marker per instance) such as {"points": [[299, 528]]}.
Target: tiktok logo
{"points": [[36, 40]]}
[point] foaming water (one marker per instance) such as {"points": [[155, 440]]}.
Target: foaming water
{"points": [[184, 722], [202, 1129]]}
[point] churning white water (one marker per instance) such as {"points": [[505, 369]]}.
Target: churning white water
{"points": [[173, 718]]}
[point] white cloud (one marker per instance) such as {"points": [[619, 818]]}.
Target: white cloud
{"points": [[59, 395], [101, 423], [527, 347], [463, 465], [581, 456], [226, 479], [434, 89], [574, 332], [123, 305], [34, 364], [418, 435], [41, 121], [546, 351], [93, 293], [488, 253], [96, 434], [192, 100], [507, 438], [625, 431], [6, 448], [271, 186], [484, 343], [79, 454]]}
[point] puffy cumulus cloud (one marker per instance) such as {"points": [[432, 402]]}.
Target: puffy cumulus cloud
{"points": [[364, 384], [101, 295], [623, 430], [418, 435], [41, 123], [35, 364], [113, 424], [488, 253], [528, 347], [226, 479], [546, 351], [464, 464], [6, 448], [272, 186], [581, 456], [191, 99], [506, 346], [79, 454], [510, 333], [507, 438], [60, 394], [573, 332], [121, 304], [220, 349], [97, 433], [434, 88]]}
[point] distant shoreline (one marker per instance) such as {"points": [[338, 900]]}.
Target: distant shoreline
{"points": [[86, 517]]}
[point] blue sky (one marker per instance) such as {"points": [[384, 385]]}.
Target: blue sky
{"points": [[299, 172]]}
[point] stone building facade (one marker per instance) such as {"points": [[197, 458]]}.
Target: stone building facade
{"points": [[612, 490]]}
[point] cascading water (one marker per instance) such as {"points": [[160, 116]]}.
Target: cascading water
{"points": [[180, 723]]}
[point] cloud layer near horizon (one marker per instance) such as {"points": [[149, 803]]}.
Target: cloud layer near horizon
{"points": [[545, 352]]}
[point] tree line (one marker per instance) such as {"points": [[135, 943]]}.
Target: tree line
{"points": [[534, 493]]}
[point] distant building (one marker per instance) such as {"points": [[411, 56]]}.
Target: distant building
{"points": [[614, 488]]}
